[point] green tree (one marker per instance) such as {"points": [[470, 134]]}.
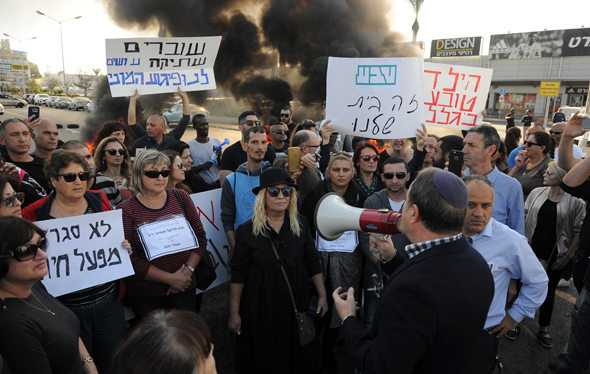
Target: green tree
{"points": [[32, 86], [416, 4], [35, 71]]}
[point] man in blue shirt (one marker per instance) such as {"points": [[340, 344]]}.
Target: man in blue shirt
{"points": [[155, 138], [480, 144], [509, 256]]}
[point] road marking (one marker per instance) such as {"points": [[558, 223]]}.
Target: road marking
{"points": [[566, 296]]}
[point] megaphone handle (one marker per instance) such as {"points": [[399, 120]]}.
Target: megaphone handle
{"points": [[382, 237]]}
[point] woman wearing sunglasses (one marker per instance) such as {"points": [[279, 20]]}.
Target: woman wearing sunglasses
{"points": [[531, 163], [39, 334], [341, 259], [177, 171], [553, 221], [11, 202], [163, 278], [99, 308], [366, 162], [261, 309], [111, 159]]}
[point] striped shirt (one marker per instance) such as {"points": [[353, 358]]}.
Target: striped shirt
{"points": [[136, 214], [417, 248], [108, 186]]}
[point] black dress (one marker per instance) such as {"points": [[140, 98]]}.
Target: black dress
{"points": [[269, 342]]}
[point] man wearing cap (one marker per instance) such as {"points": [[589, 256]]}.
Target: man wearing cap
{"points": [[508, 256], [430, 317]]}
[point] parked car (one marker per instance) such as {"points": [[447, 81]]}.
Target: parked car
{"points": [[78, 103], [175, 113], [40, 99], [9, 100], [29, 98], [91, 107], [62, 102], [1, 109], [51, 101]]}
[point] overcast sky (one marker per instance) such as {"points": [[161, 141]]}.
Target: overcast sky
{"points": [[84, 46]]}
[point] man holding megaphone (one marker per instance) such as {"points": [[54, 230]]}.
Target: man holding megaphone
{"points": [[429, 317]]}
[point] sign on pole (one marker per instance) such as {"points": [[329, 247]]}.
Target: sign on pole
{"points": [[549, 89], [381, 98], [502, 92], [455, 96], [501, 99], [160, 65], [208, 207], [85, 251]]}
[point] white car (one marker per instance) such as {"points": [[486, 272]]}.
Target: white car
{"points": [[40, 99], [175, 113], [1, 109]]}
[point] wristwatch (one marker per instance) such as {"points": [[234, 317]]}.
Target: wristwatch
{"points": [[87, 359], [192, 269]]}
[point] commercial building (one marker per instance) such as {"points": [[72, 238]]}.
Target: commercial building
{"points": [[15, 69]]}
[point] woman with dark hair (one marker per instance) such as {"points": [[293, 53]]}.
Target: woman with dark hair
{"points": [[39, 334], [512, 139], [341, 261], [11, 202], [114, 129], [500, 158], [177, 171], [531, 163], [261, 307], [193, 180], [111, 158], [366, 163], [167, 342]]}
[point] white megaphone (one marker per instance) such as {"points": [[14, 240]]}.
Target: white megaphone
{"points": [[333, 217]]}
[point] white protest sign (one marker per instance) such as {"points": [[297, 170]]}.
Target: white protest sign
{"points": [[167, 236], [85, 251], [455, 95], [160, 65], [379, 98], [347, 242], [208, 207]]}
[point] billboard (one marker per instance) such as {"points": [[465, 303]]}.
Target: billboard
{"points": [[455, 47], [536, 44]]}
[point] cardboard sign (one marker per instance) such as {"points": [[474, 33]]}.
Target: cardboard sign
{"points": [[380, 98], [208, 207], [85, 251], [455, 95], [168, 236], [160, 65]]}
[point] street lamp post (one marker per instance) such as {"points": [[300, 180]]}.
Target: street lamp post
{"points": [[21, 49], [62, 45]]}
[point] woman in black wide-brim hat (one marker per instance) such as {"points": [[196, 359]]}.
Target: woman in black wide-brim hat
{"points": [[261, 310]]}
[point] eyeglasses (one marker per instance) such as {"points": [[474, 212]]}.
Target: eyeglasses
{"points": [[71, 177], [27, 252], [399, 175], [311, 146], [530, 144], [153, 174], [252, 123], [555, 132], [280, 132], [274, 191], [113, 152], [180, 166], [9, 200], [368, 158], [285, 115]]}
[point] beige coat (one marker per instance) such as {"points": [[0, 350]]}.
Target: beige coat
{"points": [[570, 215]]}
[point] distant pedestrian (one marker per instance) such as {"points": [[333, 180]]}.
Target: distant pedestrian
{"points": [[510, 119]]}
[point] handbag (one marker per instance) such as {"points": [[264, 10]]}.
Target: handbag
{"points": [[305, 322], [205, 272]]}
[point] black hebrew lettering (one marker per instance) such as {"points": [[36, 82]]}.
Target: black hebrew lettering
{"points": [[131, 47], [75, 231], [102, 223], [196, 52], [375, 106], [94, 230], [56, 233], [160, 43], [360, 106], [401, 101], [81, 255], [175, 48], [375, 125], [199, 61], [93, 264], [413, 101], [67, 235], [57, 264], [114, 251], [388, 124], [101, 256]]}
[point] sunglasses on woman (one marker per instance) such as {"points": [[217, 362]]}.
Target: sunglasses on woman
{"points": [[180, 166], [27, 252], [367, 158], [399, 175], [153, 174], [71, 177], [9, 200], [274, 191], [113, 152]]}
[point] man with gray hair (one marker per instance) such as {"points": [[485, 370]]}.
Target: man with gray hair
{"points": [[508, 256], [434, 306], [46, 138], [480, 144]]}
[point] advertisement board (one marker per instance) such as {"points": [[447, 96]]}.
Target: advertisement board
{"points": [[456, 47], [537, 44]]}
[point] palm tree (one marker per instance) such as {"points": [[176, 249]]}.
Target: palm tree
{"points": [[416, 4]]}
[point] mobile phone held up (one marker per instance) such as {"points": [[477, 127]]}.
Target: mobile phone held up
{"points": [[34, 111], [456, 162], [293, 155]]}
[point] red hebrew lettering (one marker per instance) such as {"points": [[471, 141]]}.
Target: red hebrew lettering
{"points": [[446, 121], [212, 222], [433, 111], [435, 97], [436, 73], [456, 119], [456, 79], [218, 255], [478, 79], [470, 104]]}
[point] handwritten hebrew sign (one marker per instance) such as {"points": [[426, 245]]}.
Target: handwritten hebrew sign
{"points": [[380, 98], [455, 95], [85, 251], [159, 65], [208, 207]]}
